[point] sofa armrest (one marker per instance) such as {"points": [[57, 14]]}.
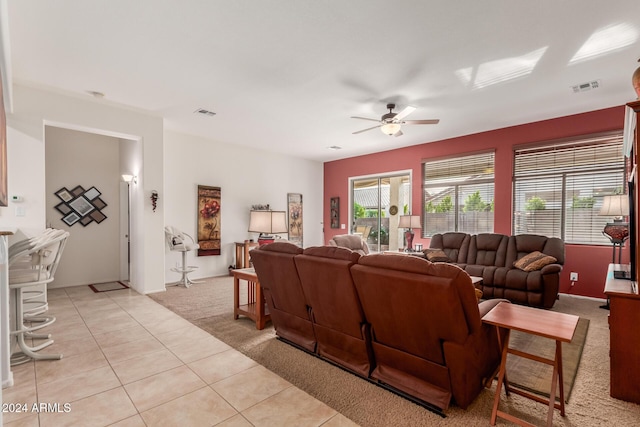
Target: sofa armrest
{"points": [[551, 269], [486, 306]]}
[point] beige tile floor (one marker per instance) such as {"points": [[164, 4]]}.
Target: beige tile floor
{"points": [[129, 361]]}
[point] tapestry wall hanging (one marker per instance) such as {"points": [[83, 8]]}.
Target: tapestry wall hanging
{"points": [[80, 205], [294, 207], [334, 212], [209, 204]]}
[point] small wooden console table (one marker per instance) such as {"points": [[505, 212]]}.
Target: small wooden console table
{"points": [[255, 308], [242, 253], [549, 324]]}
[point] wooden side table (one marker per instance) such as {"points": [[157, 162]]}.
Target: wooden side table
{"points": [[255, 308], [549, 324], [242, 253]]}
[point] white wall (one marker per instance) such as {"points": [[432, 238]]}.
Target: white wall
{"points": [[246, 177], [35, 108], [73, 158]]}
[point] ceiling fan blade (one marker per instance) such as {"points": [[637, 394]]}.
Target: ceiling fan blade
{"points": [[399, 133], [364, 130], [404, 113], [365, 118], [421, 122]]}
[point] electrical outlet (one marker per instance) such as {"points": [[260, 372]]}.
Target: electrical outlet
{"points": [[574, 276]]}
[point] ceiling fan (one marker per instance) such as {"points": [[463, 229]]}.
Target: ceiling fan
{"points": [[391, 122]]}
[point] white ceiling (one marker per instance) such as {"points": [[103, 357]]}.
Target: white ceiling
{"points": [[286, 75]]}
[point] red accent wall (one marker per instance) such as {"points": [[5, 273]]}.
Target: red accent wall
{"points": [[590, 262]]}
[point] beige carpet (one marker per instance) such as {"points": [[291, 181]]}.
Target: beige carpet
{"points": [[209, 306]]}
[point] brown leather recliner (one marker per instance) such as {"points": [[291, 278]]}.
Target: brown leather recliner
{"points": [[338, 320], [275, 266], [427, 335], [492, 257], [350, 241]]}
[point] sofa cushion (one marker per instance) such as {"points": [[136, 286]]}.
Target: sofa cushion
{"points": [[436, 255], [534, 261]]}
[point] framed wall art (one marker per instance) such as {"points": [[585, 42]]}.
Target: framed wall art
{"points": [[80, 205], [294, 209], [209, 205], [334, 212]]}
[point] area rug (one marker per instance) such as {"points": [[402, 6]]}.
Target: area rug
{"points": [[536, 377], [108, 286], [209, 305]]}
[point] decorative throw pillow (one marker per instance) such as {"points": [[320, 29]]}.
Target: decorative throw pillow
{"points": [[436, 255], [534, 261]]}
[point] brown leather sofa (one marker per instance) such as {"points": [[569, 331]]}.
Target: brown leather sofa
{"points": [[404, 323], [492, 257]]}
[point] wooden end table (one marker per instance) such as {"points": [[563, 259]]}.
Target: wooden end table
{"points": [[549, 324], [255, 307]]}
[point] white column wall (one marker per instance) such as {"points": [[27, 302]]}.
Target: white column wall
{"points": [[33, 109], [246, 176]]}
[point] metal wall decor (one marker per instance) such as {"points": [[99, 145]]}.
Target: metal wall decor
{"points": [[80, 205], [334, 212]]}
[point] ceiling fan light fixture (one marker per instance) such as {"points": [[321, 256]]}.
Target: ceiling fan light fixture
{"points": [[390, 128]]}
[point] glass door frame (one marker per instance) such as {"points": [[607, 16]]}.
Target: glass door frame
{"points": [[379, 177]]}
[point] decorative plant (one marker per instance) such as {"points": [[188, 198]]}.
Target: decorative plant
{"points": [[154, 199], [209, 211]]}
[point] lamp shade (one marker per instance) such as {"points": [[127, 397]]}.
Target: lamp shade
{"points": [[409, 221], [615, 206], [268, 222]]}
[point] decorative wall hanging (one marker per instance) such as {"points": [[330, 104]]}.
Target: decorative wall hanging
{"points": [[334, 212], [294, 207], [80, 205], [154, 199], [209, 204]]}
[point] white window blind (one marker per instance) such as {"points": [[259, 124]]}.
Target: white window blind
{"points": [[458, 194], [559, 187]]}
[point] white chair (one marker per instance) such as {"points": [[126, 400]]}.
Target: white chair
{"points": [[33, 266], [181, 242]]}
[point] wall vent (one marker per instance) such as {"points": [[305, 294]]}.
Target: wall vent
{"points": [[205, 112], [583, 87]]}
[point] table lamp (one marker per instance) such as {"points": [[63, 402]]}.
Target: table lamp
{"points": [[616, 206], [267, 222], [409, 222]]}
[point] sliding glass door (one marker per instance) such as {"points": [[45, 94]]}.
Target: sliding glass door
{"points": [[376, 204]]}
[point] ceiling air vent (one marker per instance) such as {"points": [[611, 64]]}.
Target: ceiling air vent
{"points": [[583, 87], [205, 112]]}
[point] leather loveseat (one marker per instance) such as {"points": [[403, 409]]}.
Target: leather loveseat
{"points": [[404, 323], [501, 261]]}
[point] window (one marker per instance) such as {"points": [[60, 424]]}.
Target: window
{"points": [[559, 188], [458, 194]]}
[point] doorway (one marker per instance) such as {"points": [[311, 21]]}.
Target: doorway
{"points": [[376, 204]]}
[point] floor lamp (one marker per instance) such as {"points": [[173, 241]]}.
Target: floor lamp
{"points": [[616, 206]]}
